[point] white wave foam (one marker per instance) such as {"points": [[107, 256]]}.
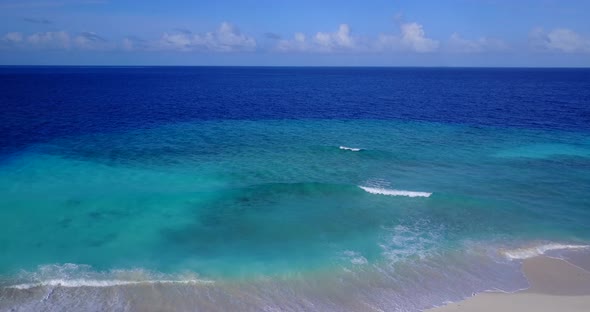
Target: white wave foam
{"points": [[100, 283], [71, 275], [382, 191], [530, 252], [407, 241], [355, 257], [354, 149]]}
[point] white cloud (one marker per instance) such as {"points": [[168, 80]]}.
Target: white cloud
{"points": [[560, 39], [91, 41], [177, 41], [299, 37], [411, 38], [414, 37], [13, 37], [298, 43], [340, 40], [226, 38], [57, 39], [132, 43], [460, 45], [60, 40]]}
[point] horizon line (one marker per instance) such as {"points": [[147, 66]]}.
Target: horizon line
{"points": [[307, 66]]}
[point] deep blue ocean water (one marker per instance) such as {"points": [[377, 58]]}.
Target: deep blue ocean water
{"points": [[247, 188]]}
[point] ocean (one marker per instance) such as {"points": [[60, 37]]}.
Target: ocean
{"points": [[286, 189]]}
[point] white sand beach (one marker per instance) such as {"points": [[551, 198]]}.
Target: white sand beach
{"points": [[556, 285]]}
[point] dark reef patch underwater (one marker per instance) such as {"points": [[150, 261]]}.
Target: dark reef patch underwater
{"points": [[291, 189]]}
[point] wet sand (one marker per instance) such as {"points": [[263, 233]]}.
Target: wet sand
{"points": [[555, 285]]}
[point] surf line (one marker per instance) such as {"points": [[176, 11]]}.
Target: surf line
{"points": [[353, 149], [382, 191]]}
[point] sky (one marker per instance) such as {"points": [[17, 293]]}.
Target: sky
{"points": [[483, 33]]}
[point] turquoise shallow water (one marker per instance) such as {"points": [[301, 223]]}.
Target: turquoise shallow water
{"points": [[236, 198], [245, 203]]}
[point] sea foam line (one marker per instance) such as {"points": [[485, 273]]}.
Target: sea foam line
{"points": [[530, 252], [72, 283], [382, 191], [354, 149]]}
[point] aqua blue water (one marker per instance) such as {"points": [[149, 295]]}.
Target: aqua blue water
{"points": [[285, 188]]}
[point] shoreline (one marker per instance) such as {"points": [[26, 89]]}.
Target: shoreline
{"points": [[555, 285]]}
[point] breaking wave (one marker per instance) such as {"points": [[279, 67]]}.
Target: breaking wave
{"points": [[389, 192], [101, 283], [534, 251], [353, 149], [71, 275]]}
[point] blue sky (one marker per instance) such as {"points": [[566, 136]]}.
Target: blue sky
{"points": [[299, 33]]}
